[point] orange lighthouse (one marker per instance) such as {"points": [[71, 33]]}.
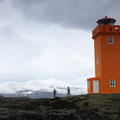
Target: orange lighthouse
{"points": [[107, 58]]}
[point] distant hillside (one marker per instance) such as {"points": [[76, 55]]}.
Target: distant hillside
{"points": [[84, 107], [38, 89], [33, 94]]}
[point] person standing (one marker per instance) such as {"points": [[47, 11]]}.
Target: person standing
{"points": [[68, 92], [54, 93]]}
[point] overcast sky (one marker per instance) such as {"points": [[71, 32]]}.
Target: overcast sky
{"points": [[50, 39]]}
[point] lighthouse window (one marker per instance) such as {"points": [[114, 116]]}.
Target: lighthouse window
{"points": [[97, 61], [112, 83], [110, 40]]}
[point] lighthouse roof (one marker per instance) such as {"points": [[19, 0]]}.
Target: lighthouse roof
{"points": [[106, 20]]}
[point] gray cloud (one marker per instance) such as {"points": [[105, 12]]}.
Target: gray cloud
{"points": [[1, 1], [29, 49], [68, 13]]}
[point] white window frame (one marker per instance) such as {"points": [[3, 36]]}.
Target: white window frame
{"points": [[112, 83], [110, 40]]}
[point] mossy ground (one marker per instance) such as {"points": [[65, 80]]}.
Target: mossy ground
{"points": [[83, 107]]}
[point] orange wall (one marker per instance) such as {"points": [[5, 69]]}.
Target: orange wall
{"points": [[97, 49], [110, 63], [109, 57], [90, 90]]}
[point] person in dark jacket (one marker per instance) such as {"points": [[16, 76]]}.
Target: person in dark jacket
{"points": [[54, 93]]}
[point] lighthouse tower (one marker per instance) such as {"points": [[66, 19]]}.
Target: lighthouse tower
{"points": [[107, 58]]}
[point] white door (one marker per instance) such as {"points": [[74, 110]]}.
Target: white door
{"points": [[95, 86]]}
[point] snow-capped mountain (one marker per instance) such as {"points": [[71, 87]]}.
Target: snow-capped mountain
{"points": [[38, 88]]}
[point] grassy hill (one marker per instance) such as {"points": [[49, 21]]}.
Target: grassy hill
{"points": [[84, 107]]}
